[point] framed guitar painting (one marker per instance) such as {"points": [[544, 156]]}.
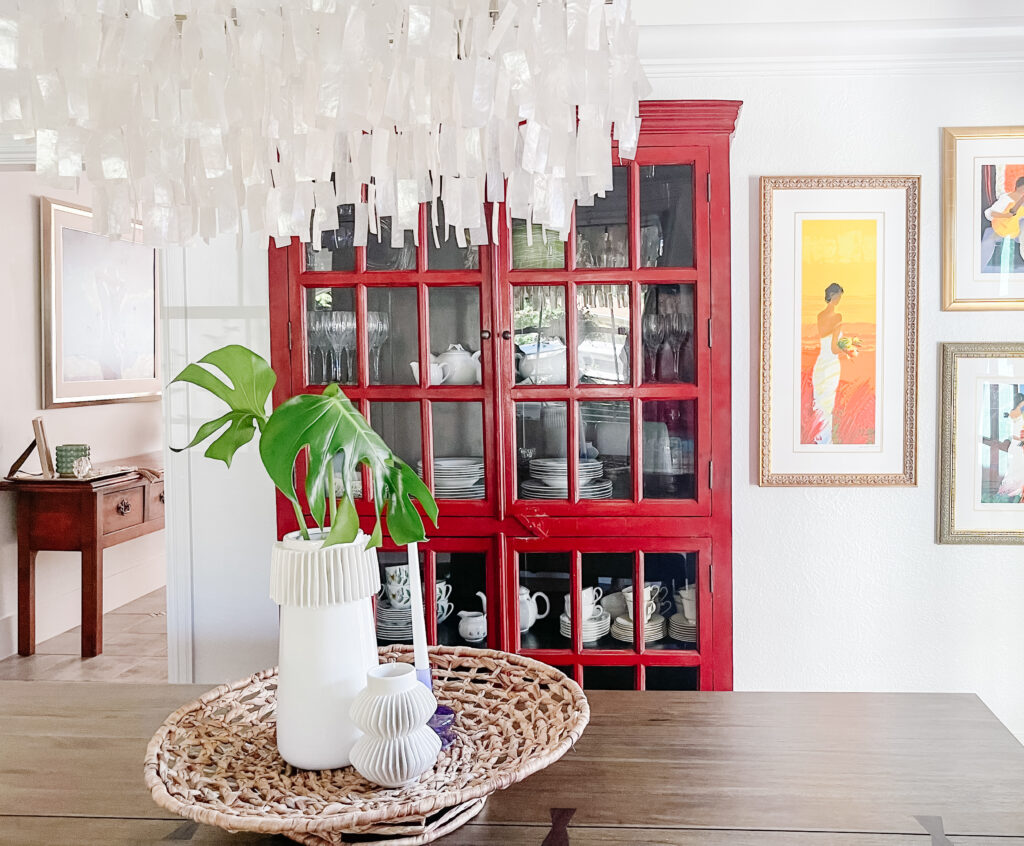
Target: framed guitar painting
{"points": [[982, 213]]}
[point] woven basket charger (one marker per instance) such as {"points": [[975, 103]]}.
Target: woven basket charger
{"points": [[215, 760]]}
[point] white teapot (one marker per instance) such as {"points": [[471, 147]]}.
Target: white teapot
{"points": [[473, 624], [528, 611], [463, 366], [546, 365]]}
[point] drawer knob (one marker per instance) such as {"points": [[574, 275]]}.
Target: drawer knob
{"points": [[161, 496], [123, 507]]}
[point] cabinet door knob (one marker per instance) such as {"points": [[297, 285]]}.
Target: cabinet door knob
{"points": [[506, 335], [485, 334], [123, 507], [161, 496]]}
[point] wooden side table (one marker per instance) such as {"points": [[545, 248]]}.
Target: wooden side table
{"points": [[87, 517]]}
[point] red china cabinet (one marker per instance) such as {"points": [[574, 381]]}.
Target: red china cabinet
{"points": [[567, 402]]}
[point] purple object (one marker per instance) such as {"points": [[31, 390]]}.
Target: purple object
{"points": [[442, 719], [424, 676], [447, 737]]}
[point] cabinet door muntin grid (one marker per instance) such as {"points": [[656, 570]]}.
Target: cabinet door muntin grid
{"points": [[552, 565], [404, 296], [545, 369], [465, 566]]}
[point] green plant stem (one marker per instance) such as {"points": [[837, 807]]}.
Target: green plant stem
{"points": [[332, 500], [302, 522]]}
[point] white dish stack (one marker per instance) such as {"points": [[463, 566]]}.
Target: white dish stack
{"points": [[457, 477], [393, 623], [549, 479], [654, 629], [681, 629]]}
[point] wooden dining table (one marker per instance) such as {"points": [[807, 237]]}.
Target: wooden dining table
{"points": [[674, 769]]}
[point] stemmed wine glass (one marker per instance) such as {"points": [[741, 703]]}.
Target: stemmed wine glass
{"points": [[347, 343], [675, 333], [317, 347], [653, 337], [377, 330]]}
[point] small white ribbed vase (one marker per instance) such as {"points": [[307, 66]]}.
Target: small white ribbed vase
{"points": [[397, 745], [326, 646]]}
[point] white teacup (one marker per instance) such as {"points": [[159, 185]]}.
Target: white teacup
{"points": [[650, 606], [438, 372], [397, 574], [399, 596], [651, 594], [444, 610], [659, 593], [689, 606], [442, 591], [587, 610]]}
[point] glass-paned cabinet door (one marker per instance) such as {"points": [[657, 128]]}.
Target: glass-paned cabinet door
{"points": [[454, 588], [393, 617], [667, 331], [539, 334], [666, 215], [621, 603], [456, 354], [543, 609], [331, 334], [392, 334], [337, 251], [464, 616], [602, 334], [459, 470], [602, 228]]}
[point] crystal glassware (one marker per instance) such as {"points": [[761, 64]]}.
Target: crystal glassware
{"points": [[653, 337]]}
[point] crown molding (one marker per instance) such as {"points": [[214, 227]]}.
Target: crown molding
{"points": [[17, 152], [704, 116], [848, 48]]}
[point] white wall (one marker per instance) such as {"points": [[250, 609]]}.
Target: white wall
{"points": [[846, 589], [113, 431], [221, 522], [835, 589]]}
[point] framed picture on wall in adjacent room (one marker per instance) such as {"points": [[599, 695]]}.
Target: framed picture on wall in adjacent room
{"points": [[981, 464], [839, 294], [982, 212], [100, 325]]}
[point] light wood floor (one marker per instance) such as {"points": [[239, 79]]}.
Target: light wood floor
{"points": [[134, 649]]}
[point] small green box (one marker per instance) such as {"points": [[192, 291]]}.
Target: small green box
{"points": [[67, 455]]}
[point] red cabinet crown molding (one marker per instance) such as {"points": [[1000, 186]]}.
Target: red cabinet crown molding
{"points": [[703, 116]]}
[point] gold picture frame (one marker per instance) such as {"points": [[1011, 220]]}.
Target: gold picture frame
{"points": [[801, 435], [100, 312], [980, 383], [982, 270]]}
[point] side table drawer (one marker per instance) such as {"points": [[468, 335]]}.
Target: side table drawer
{"points": [[155, 501], [122, 509]]}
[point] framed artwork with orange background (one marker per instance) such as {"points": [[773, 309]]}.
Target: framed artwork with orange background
{"points": [[982, 213], [839, 285]]}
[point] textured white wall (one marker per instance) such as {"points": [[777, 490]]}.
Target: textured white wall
{"points": [[846, 589], [113, 431]]}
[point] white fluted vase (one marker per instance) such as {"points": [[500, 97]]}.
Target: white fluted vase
{"points": [[327, 645], [397, 746]]}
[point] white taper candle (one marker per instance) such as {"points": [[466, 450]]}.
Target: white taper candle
{"points": [[419, 629]]}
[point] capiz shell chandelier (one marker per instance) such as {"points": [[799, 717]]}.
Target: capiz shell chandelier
{"points": [[202, 117]]}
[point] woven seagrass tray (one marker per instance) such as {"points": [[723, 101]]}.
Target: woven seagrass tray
{"points": [[215, 760]]}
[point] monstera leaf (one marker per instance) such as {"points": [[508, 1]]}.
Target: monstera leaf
{"points": [[251, 380], [328, 425]]}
